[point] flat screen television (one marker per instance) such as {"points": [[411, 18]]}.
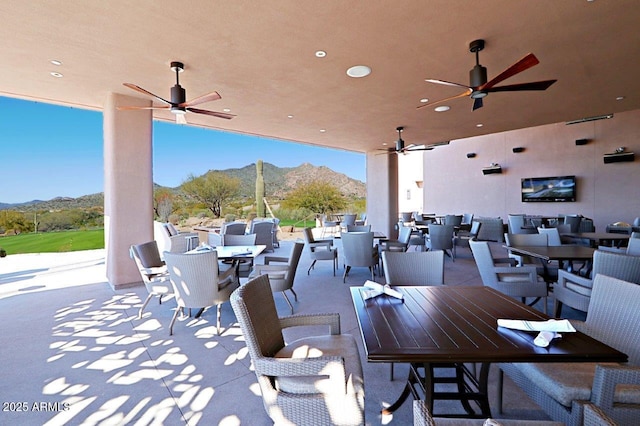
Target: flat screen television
{"points": [[548, 189]]}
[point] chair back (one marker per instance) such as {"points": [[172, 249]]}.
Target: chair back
{"points": [[613, 316], [484, 261], [234, 228], [308, 236], [440, 237], [453, 219], [618, 265], [475, 229], [573, 221], [358, 228], [633, 248], [349, 219], [256, 312], [413, 268], [146, 255], [406, 216], [517, 225], [553, 236], [534, 240], [292, 266], [263, 231], [239, 240], [357, 248], [404, 234], [467, 218], [194, 278]]}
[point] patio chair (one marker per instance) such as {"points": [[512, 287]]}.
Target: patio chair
{"points": [[401, 244], [264, 233], [281, 276], [243, 266], [441, 237], [413, 268], [573, 220], [521, 282], [517, 225], [358, 250], [471, 234], [547, 270], [575, 291], [562, 390], [453, 219], [229, 228], [349, 219], [492, 229], [197, 283], [327, 223], [320, 250], [152, 270], [316, 379], [358, 228], [169, 239]]}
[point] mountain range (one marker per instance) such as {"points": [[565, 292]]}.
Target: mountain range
{"points": [[278, 181]]}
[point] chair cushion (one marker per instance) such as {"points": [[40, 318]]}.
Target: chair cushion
{"points": [[342, 345], [568, 382]]}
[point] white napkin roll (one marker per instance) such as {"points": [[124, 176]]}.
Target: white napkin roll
{"points": [[544, 338]]}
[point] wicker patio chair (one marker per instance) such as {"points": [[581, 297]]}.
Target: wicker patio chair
{"points": [[313, 380], [320, 250], [197, 284], [358, 250], [563, 389], [575, 291]]}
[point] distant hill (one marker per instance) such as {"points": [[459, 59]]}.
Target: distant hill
{"points": [[278, 181]]}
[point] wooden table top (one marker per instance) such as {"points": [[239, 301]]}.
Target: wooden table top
{"points": [[564, 252], [459, 324], [596, 236]]}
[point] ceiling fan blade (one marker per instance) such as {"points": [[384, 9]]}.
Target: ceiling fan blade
{"points": [[461, 95], [536, 85], [213, 96], [477, 103], [446, 83], [523, 64], [146, 92], [127, 108], [419, 148], [212, 113]]}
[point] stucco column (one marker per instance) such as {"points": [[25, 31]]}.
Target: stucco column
{"points": [[382, 193], [128, 185]]}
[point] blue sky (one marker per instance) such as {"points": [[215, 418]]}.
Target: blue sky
{"points": [[49, 151]]}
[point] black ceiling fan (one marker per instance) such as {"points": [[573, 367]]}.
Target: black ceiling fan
{"points": [[479, 87], [178, 104], [401, 148]]}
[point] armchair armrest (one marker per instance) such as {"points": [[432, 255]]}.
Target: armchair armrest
{"points": [[324, 243], [155, 270], [273, 271], [606, 378], [268, 259], [508, 260], [331, 366], [594, 415], [529, 272], [388, 244], [331, 319], [564, 276]]}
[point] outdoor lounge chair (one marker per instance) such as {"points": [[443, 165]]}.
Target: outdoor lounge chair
{"points": [[152, 270]]}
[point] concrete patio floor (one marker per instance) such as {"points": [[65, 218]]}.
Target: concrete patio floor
{"points": [[74, 352]]}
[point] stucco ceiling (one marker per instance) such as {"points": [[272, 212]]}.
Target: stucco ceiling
{"points": [[260, 56]]}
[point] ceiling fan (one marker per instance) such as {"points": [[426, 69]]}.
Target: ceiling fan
{"points": [[178, 104], [400, 147], [479, 87]]}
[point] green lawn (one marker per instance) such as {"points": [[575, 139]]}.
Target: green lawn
{"points": [[48, 242]]}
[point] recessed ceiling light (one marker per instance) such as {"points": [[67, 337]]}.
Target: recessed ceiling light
{"points": [[56, 74], [289, 116], [227, 110], [479, 125], [442, 108], [424, 100], [384, 143], [56, 62], [620, 98], [322, 130], [359, 71], [321, 54]]}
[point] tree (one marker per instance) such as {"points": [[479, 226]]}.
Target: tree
{"points": [[212, 190], [11, 220], [318, 196], [163, 200]]}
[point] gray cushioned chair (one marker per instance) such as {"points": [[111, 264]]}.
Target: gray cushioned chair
{"points": [[313, 380], [152, 270], [492, 229], [320, 250], [521, 281], [358, 250], [575, 291], [562, 389], [441, 237], [264, 233], [281, 272]]}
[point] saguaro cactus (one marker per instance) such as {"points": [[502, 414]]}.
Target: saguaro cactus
{"points": [[259, 189]]}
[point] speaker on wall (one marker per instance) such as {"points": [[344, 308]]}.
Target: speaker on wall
{"points": [[619, 156], [471, 154], [492, 169], [518, 149], [582, 141]]}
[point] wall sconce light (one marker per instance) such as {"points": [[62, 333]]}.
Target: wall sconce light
{"points": [[471, 154], [582, 141], [419, 183], [493, 168], [619, 156], [518, 149]]}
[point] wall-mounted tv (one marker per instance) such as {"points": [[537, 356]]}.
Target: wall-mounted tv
{"points": [[548, 189]]}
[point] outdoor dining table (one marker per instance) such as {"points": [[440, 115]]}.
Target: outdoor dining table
{"points": [[597, 238], [439, 326], [566, 253]]}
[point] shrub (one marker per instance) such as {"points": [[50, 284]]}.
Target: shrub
{"points": [[3, 252]]}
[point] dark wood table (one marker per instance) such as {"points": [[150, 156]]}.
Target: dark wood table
{"points": [[452, 325], [597, 238], [560, 253]]}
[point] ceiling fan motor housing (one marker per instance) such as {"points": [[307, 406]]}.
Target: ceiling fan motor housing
{"points": [[477, 76], [178, 96]]}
